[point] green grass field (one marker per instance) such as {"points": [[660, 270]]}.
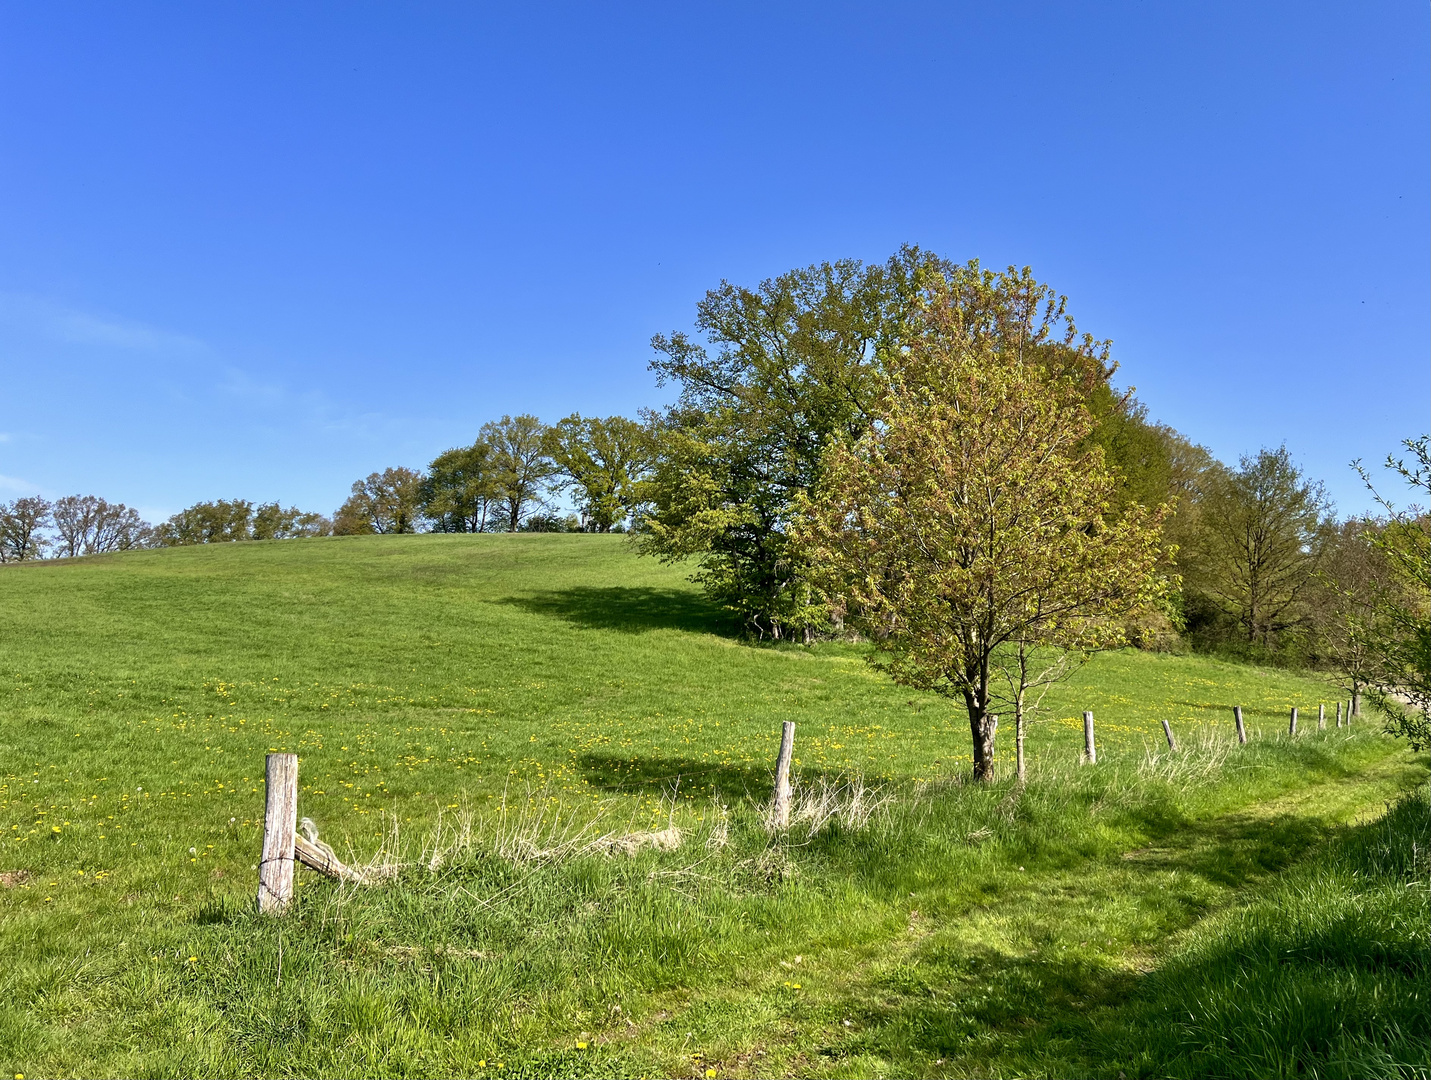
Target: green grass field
{"points": [[498, 712]]}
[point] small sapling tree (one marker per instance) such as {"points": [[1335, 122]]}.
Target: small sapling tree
{"points": [[971, 522]]}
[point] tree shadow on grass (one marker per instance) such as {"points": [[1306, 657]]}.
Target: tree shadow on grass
{"points": [[629, 610], [695, 777]]}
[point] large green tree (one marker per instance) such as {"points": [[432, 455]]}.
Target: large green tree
{"points": [[602, 462], [520, 465], [460, 491], [793, 366], [1260, 536], [968, 528], [385, 502]]}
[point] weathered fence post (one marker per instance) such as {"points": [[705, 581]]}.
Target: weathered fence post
{"points": [[781, 798], [993, 729], [1241, 731], [1090, 752], [1168, 731], [1339, 714], [1322, 717], [1292, 724], [280, 818]]}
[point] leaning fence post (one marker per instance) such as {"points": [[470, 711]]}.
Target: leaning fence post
{"points": [[1292, 724], [1241, 731], [1168, 731], [1339, 713], [781, 798], [1090, 751], [1322, 717], [280, 818]]}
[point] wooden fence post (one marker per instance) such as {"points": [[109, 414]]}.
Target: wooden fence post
{"points": [[1322, 717], [280, 818], [1241, 731], [1292, 724], [781, 798], [1090, 752], [1168, 731], [1339, 713]]}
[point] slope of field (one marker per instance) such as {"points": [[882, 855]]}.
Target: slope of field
{"points": [[527, 685]]}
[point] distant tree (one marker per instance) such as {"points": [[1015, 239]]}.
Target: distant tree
{"points": [[460, 489], [22, 525], [385, 502], [88, 525], [229, 520], [552, 523], [1348, 605], [603, 462], [219, 522], [967, 527], [521, 467], [1258, 543], [1401, 639], [274, 522]]}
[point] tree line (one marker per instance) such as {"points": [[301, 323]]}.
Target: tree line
{"points": [[847, 430]]}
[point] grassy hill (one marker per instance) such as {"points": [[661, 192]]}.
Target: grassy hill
{"points": [[512, 717]]}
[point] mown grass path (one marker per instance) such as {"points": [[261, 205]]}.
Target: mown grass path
{"points": [[1034, 973]]}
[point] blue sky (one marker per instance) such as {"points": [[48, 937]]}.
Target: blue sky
{"points": [[259, 251]]}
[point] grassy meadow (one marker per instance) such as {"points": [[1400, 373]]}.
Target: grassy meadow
{"points": [[563, 752]]}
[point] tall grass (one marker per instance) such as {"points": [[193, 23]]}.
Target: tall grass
{"points": [[1327, 974]]}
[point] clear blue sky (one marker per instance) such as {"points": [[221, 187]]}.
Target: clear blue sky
{"points": [[261, 250]]}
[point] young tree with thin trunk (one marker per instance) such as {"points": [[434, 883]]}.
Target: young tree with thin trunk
{"points": [[972, 516]]}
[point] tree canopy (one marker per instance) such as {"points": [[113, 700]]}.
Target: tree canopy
{"points": [[971, 519]]}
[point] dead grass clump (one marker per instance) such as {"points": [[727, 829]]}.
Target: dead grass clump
{"points": [[816, 805]]}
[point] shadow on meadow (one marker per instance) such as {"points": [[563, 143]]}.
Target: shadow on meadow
{"points": [[629, 610], [690, 776]]}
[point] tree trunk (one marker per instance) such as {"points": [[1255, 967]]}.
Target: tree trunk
{"points": [[1019, 740], [983, 732]]}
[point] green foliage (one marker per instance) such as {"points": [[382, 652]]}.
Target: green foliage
{"points": [[385, 502], [1250, 567], [603, 462], [797, 367], [520, 465], [225, 521], [460, 490], [1399, 638], [419, 677], [966, 527]]}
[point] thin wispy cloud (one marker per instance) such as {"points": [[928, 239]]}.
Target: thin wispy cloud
{"points": [[20, 487], [58, 322]]}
